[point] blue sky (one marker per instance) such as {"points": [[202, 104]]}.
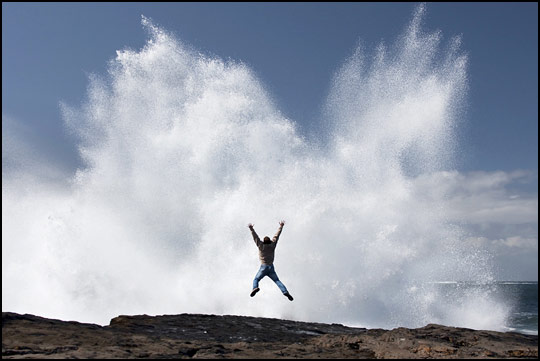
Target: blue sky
{"points": [[48, 50]]}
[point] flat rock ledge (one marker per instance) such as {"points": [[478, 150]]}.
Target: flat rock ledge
{"points": [[213, 336]]}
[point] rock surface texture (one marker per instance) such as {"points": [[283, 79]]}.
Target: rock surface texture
{"points": [[212, 336]]}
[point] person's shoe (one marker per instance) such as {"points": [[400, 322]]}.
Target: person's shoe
{"points": [[255, 290], [288, 295]]}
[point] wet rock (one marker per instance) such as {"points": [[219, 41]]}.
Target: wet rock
{"points": [[212, 336]]}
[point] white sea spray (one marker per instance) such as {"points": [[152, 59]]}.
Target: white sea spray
{"points": [[183, 150]]}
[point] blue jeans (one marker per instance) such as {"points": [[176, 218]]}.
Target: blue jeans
{"points": [[268, 270]]}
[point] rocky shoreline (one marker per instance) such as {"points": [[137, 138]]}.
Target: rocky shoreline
{"points": [[213, 336]]}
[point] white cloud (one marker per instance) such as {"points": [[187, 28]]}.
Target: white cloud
{"points": [[516, 242], [482, 197], [498, 210]]}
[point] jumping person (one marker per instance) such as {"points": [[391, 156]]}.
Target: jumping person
{"points": [[266, 256]]}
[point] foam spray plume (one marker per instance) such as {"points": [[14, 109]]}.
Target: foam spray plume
{"points": [[183, 150]]}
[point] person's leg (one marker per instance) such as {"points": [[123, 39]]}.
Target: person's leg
{"points": [[263, 271], [273, 275]]}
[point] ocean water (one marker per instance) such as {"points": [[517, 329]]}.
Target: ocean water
{"points": [[522, 296], [182, 150]]}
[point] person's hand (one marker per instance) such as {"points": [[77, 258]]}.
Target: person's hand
{"points": [[282, 223], [250, 226]]}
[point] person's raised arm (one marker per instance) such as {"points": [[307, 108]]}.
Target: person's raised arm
{"points": [[254, 234], [276, 237]]}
